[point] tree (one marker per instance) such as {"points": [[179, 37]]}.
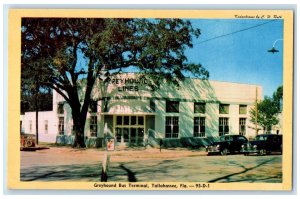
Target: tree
{"points": [[268, 110], [33, 92], [278, 97], [70, 49], [44, 102]]}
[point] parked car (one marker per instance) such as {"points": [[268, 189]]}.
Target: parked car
{"points": [[263, 144], [227, 144], [27, 141]]}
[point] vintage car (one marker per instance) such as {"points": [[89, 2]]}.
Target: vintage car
{"points": [[227, 144], [27, 141], [263, 144]]}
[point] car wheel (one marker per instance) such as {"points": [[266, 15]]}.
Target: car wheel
{"points": [[224, 151], [28, 143], [262, 152]]}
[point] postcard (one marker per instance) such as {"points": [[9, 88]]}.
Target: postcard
{"points": [[150, 99]]}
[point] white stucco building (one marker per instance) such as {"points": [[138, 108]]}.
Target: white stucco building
{"points": [[130, 111]]}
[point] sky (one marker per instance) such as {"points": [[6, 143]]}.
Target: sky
{"points": [[241, 57], [236, 50]]}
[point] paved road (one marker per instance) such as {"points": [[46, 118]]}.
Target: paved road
{"points": [[63, 164]]}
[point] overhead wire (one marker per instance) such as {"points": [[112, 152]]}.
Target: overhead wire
{"points": [[231, 33]]}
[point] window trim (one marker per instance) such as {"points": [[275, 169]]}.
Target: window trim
{"points": [[60, 109], [172, 119], [169, 108], [244, 106], [122, 126], [225, 113], [221, 133], [61, 131], [93, 133], [200, 103], [200, 134], [46, 126], [30, 126], [245, 125]]}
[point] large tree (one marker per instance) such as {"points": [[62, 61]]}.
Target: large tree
{"points": [[35, 96], [268, 110], [69, 49]]}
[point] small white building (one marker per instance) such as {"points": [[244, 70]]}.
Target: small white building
{"points": [[128, 109]]}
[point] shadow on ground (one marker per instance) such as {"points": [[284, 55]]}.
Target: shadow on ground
{"points": [[188, 169]]}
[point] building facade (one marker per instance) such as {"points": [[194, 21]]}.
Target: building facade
{"points": [[127, 109]]}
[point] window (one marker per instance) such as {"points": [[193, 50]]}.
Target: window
{"points": [[126, 134], [126, 120], [199, 107], [226, 138], [224, 108], [93, 126], [141, 120], [240, 138], [46, 126], [30, 126], [243, 109], [242, 126], [199, 127], [130, 120], [119, 120], [60, 109], [133, 120], [223, 126], [61, 127], [172, 107], [93, 107], [152, 106], [172, 127]]}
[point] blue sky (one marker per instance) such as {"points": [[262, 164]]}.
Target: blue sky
{"points": [[241, 57]]}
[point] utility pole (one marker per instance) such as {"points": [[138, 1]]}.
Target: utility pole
{"points": [[256, 112], [37, 87]]}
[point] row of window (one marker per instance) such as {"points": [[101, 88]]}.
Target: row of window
{"points": [[171, 107], [130, 120], [199, 107], [172, 126], [45, 126]]}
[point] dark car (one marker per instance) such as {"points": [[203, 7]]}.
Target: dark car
{"points": [[227, 144], [263, 144]]}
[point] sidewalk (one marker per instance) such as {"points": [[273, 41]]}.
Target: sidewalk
{"points": [[69, 156]]}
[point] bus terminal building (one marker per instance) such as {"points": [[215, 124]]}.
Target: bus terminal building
{"points": [[127, 109]]}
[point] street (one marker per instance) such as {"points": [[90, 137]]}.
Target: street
{"points": [[148, 165]]}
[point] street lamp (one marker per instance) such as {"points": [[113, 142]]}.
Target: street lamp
{"points": [[273, 49]]}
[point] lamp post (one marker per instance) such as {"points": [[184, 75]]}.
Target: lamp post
{"points": [[273, 49], [104, 76]]}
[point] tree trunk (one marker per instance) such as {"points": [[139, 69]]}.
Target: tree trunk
{"points": [[78, 124], [79, 112], [36, 114]]}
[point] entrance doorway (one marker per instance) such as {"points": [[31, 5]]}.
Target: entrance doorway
{"points": [[129, 130]]}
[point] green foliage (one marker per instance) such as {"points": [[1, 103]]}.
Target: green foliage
{"points": [[44, 103], [268, 110], [278, 97], [62, 51], [155, 46]]}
